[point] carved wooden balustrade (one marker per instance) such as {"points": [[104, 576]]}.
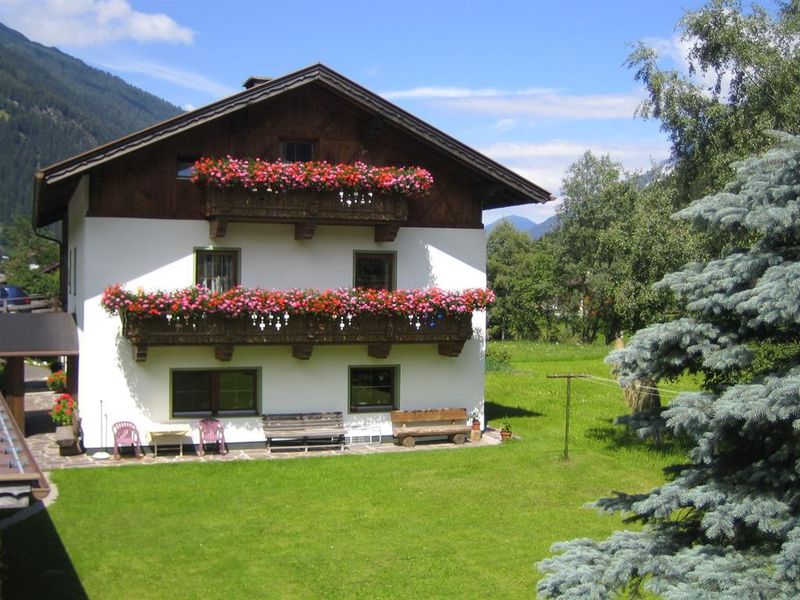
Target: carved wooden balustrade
{"points": [[306, 209], [301, 332]]}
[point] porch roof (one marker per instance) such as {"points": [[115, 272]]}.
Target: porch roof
{"points": [[38, 334]]}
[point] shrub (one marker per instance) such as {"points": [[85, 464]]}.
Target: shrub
{"points": [[497, 358]]}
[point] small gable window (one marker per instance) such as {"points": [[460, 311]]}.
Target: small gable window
{"points": [[185, 167], [297, 151]]}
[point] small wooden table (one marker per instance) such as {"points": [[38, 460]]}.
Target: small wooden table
{"points": [[178, 430]]}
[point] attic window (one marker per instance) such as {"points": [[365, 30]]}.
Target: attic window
{"points": [[185, 167], [297, 151]]}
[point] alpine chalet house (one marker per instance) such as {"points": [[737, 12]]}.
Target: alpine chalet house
{"points": [[301, 246]]}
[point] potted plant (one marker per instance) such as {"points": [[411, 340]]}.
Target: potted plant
{"points": [[64, 408], [57, 382], [476, 422], [65, 415], [505, 431]]}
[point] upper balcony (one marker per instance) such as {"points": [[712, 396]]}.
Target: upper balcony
{"points": [[307, 194], [297, 318], [306, 209]]}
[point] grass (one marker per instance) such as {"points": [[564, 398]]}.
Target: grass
{"points": [[421, 524]]}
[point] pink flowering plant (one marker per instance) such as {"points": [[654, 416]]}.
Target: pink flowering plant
{"points": [[263, 176], [190, 303]]}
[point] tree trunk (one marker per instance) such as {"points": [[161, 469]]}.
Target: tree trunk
{"points": [[643, 396]]}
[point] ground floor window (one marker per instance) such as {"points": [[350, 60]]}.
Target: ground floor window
{"points": [[214, 392], [373, 389]]}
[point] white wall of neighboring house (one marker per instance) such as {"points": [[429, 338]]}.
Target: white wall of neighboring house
{"points": [[158, 254]]}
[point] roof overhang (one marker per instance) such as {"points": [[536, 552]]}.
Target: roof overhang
{"points": [[55, 184], [38, 334]]}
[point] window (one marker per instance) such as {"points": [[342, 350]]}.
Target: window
{"points": [[372, 389], [374, 270], [185, 167], [214, 392], [297, 151], [217, 270]]}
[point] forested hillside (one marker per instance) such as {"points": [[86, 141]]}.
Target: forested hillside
{"points": [[53, 106]]}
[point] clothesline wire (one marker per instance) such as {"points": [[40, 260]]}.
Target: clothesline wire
{"points": [[616, 384]]}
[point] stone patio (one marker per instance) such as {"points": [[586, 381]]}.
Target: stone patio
{"points": [[40, 436]]}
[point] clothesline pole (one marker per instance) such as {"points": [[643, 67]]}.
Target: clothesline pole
{"points": [[569, 377]]}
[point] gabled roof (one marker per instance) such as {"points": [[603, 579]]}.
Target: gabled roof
{"points": [[513, 189]]}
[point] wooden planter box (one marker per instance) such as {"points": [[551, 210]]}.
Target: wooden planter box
{"points": [[305, 209], [301, 332]]}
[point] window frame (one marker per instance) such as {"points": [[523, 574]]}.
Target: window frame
{"points": [[391, 259], [283, 149], [214, 399], [235, 252], [395, 369]]}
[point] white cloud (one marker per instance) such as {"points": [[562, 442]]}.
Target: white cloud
{"points": [[529, 102], [74, 23], [545, 163], [185, 79]]}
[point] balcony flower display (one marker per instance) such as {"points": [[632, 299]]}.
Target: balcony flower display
{"points": [[258, 175], [276, 307]]}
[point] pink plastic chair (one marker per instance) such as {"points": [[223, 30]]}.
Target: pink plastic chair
{"points": [[212, 432], [126, 434]]}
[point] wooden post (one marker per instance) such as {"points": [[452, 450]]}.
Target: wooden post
{"points": [[569, 377], [72, 375], [15, 388]]}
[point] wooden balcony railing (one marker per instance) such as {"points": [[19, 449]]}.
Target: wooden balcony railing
{"points": [[306, 209], [302, 333]]}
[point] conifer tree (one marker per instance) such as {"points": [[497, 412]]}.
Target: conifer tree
{"points": [[727, 524]]}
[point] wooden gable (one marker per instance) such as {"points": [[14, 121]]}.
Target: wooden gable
{"points": [[144, 184]]}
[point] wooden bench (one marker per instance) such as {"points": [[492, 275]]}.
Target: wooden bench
{"points": [[407, 425], [296, 430]]}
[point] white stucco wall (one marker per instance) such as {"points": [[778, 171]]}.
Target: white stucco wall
{"points": [[156, 254]]}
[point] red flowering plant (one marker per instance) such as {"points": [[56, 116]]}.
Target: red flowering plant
{"points": [[263, 176], [57, 382], [275, 307], [64, 408]]}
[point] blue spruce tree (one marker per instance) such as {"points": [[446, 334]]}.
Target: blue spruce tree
{"points": [[727, 524]]}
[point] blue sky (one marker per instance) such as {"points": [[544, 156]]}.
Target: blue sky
{"points": [[531, 84]]}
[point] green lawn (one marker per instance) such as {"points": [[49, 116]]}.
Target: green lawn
{"points": [[416, 524]]}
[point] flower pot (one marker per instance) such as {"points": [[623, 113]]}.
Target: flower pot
{"points": [[476, 425], [505, 436]]}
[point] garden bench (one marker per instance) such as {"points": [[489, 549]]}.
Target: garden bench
{"points": [[407, 425], [297, 430]]}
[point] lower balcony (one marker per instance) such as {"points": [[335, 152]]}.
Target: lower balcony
{"points": [[300, 332], [306, 209]]}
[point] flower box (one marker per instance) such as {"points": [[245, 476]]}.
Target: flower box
{"points": [[308, 193], [197, 316]]}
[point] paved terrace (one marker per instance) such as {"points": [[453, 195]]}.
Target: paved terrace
{"points": [[40, 435]]}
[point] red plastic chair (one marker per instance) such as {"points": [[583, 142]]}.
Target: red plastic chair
{"points": [[212, 432], [126, 434]]}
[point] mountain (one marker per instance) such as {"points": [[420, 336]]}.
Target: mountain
{"points": [[53, 106], [534, 230]]}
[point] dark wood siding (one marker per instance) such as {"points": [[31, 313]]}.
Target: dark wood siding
{"points": [[144, 184]]}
